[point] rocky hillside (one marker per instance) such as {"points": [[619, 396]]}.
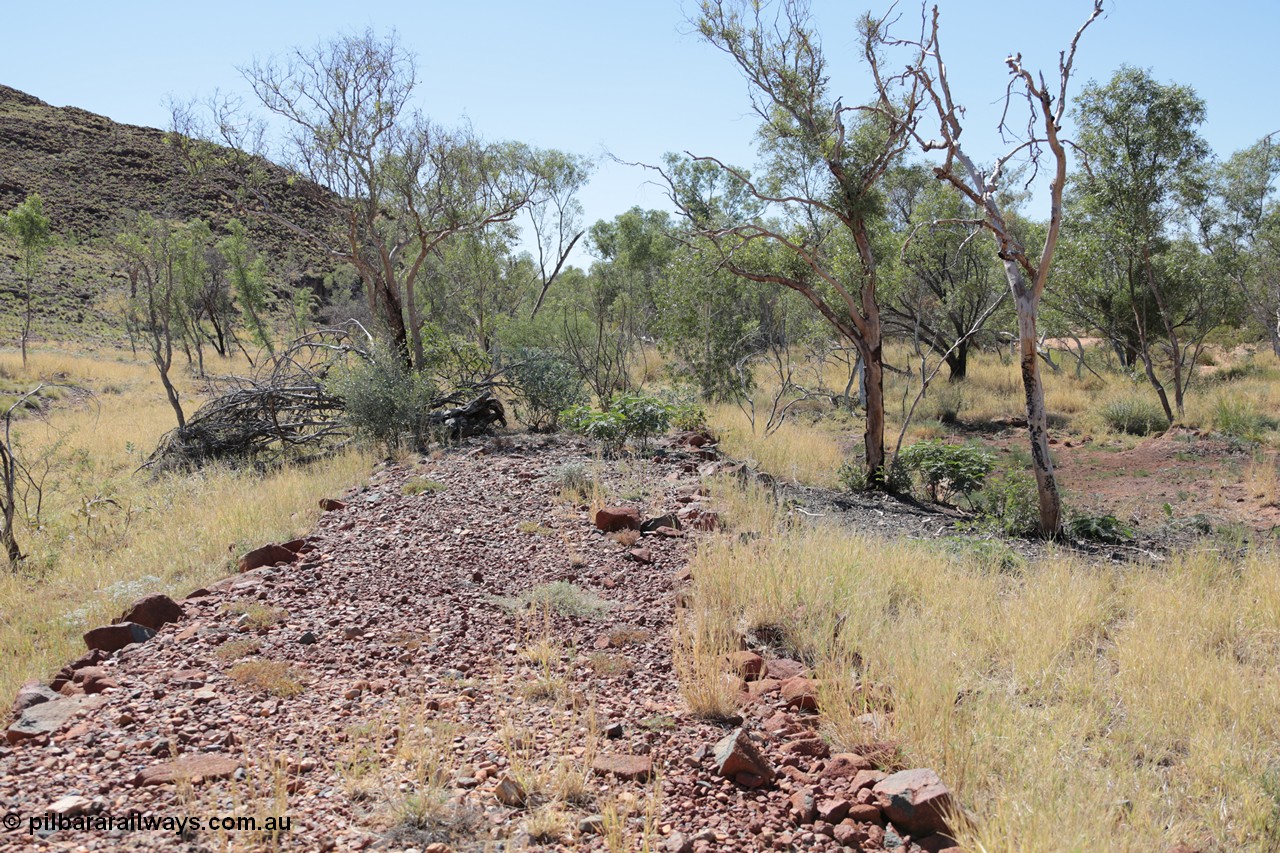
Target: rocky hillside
{"points": [[92, 174]]}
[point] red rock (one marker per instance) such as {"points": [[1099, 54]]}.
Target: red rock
{"points": [[72, 804], [113, 638], [628, 768], [846, 833], [735, 754], [784, 668], [641, 556], [800, 693], [331, 505], [845, 765], [297, 546], [748, 665], [867, 778], [94, 679], [809, 748], [46, 718], [190, 768], [613, 518], [915, 801], [865, 813], [511, 793], [947, 844], [267, 555], [804, 805], [153, 611], [763, 687], [833, 810], [32, 693]]}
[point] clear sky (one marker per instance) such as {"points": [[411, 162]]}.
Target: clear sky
{"points": [[627, 78]]}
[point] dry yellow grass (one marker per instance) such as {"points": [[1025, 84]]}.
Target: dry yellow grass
{"points": [[1072, 706], [109, 535]]}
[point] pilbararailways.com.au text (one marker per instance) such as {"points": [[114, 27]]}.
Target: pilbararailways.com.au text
{"points": [[139, 822]]}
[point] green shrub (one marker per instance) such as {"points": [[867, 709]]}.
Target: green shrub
{"points": [[631, 416], [946, 470], [642, 417], [1134, 416], [384, 399], [1100, 528], [545, 385], [1008, 504], [604, 427], [853, 476]]}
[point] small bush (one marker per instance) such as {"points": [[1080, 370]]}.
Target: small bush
{"points": [[1134, 416], [1008, 504], [270, 676], [545, 385], [946, 470], [688, 417], [562, 597], [1100, 528], [386, 400], [631, 416], [419, 485], [853, 477], [642, 417], [604, 427]]}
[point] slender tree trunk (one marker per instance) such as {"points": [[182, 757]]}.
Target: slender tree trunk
{"points": [[1175, 346], [7, 538], [1144, 353], [26, 324], [1037, 418]]}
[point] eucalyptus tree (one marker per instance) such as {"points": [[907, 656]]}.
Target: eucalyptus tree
{"points": [[1026, 272], [820, 188], [30, 227], [1147, 163]]}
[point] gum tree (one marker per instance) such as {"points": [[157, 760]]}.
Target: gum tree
{"points": [[1043, 147], [820, 191], [30, 227]]}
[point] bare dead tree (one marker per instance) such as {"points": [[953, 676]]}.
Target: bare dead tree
{"points": [[1041, 140]]}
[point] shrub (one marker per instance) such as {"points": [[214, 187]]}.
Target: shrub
{"points": [[642, 417], [632, 416], [545, 385], [562, 597], [853, 476], [384, 399], [1008, 504], [1100, 528], [604, 427], [946, 470], [1134, 416]]}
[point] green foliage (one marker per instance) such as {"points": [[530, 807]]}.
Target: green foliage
{"points": [[642, 417], [946, 470], [385, 400], [1134, 416], [1100, 528], [604, 427], [1008, 504], [545, 385], [30, 227], [688, 416], [248, 273], [853, 477], [632, 416]]}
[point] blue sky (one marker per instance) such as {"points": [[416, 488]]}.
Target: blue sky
{"points": [[627, 78]]}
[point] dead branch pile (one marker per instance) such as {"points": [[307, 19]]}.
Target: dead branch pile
{"points": [[288, 411], [285, 410]]}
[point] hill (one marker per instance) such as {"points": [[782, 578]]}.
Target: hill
{"points": [[93, 173]]}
